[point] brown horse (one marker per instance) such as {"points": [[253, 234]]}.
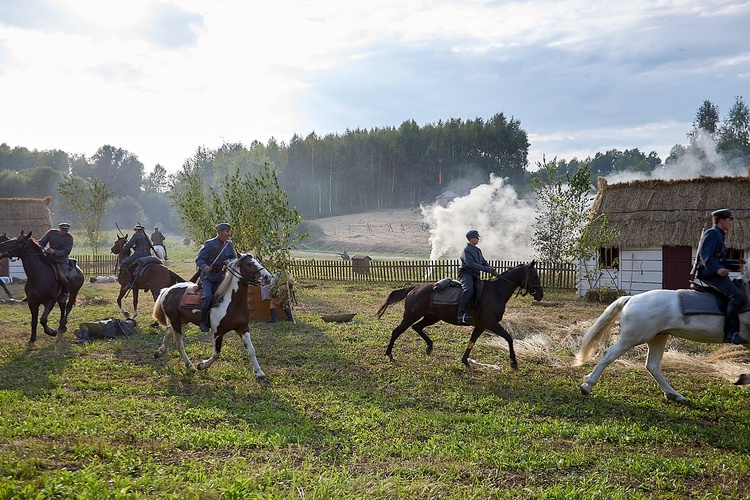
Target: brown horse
{"points": [[487, 315], [230, 311], [42, 287], [155, 277]]}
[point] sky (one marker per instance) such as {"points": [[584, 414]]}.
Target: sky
{"points": [[161, 79]]}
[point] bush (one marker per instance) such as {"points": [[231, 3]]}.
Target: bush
{"points": [[605, 295]]}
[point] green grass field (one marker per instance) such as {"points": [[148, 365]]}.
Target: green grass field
{"points": [[337, 420]]}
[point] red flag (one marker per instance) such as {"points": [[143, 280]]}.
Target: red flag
{"points": [[440, 176]]}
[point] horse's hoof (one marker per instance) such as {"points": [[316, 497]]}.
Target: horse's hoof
{"points": [[743, 379], [62, 329], [514, 366], [262, 379], [585, 389], [126, 314], [157, 355], [429, 350], [51, 332]]}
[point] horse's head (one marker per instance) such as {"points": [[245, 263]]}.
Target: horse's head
{"points": [[531, 282], [20, 246], [251, 270], [119, 243]]}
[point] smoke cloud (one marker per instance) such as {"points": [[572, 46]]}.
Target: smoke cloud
{"points": [[494, 209]]}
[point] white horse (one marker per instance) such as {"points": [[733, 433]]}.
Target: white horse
{"points": [[158, 251], [650, 318]]}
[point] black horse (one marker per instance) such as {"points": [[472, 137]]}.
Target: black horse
{"points": [[4, 237], [487, 314], [42, 287]]}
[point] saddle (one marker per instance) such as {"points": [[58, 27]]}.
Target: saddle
{"points": [[191, 298], [448, 291], [144, 263]]}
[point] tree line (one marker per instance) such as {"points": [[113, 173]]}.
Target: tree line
{"points": [[354, 171]]}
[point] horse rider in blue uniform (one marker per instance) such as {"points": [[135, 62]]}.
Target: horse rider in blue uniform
{"points": [[472, 261], [212, 257], [59, 243], [713, 268], [141, 246]]}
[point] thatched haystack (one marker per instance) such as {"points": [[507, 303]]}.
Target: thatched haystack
{"points": [[655, 212], [27, 214]]}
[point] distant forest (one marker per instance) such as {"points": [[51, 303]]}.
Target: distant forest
{"points": [[358, 170]]}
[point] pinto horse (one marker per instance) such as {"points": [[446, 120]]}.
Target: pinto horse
{"points": [[42, 287], [650, 318], [420, 310], [156, 277], [230, 311]]}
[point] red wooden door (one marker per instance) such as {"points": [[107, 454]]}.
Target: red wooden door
{"points": [[676, 266]]}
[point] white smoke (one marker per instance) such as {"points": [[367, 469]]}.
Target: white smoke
{"points": [[503, 220], [701, 157]]}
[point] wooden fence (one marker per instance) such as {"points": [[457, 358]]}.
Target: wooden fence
{"points": [[101, 265], [552, 276]]}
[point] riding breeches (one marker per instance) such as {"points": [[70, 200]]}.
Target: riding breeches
{"points": [[725, 286]]}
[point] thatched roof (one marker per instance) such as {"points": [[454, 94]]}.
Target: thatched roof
{"points": [[658, 212], [27, 214]]}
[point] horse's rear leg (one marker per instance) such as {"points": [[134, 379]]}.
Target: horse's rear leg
{"points": [[608, 356], [653, 365], [472, 340], [43, 319], [396, 333], [164, 347], [421, 325]]}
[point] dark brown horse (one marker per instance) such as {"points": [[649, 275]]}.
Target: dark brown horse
{"points": [[420, 309], [230, 311], [42, 287], [155, 277]]}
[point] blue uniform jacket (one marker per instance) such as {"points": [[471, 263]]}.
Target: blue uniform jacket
{"points": [[140, 244], [62, 243], [713, 253], [211, 252], [472, 261]]}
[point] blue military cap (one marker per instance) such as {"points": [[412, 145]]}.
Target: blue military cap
{"points": [[64, 225], [223, 227], [472, 234], [724, 213]]}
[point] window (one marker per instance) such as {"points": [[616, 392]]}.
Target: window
{"points": [[733, 253], [609, 258]]}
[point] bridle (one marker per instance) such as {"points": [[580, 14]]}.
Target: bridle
{"points": [[527, 287], [238, 273]]}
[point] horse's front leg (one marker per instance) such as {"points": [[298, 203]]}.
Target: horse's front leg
{"points": [[498, 329], [474, 336], [653, 365], [218, 340], [119, 303], [34, 310], [43, 319], [135, 301], [259, 375]]}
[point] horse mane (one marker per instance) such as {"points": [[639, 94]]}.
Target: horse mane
{"points": [[232, 272]]}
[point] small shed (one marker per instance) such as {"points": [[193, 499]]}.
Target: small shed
{"points": [[23, 214], [361, 264], [659, 224], [444, 198]]}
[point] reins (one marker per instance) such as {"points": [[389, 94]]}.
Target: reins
{"points": [[523, 290]]}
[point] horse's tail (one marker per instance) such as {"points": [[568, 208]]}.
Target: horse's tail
{"points": [[593, 336], [393, 298], [159, 315]]}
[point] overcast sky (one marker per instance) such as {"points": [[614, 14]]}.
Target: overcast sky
{"points": [[161, 78]]}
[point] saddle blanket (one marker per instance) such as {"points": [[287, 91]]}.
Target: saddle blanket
{"points": [[696, 302], [449, 295]]}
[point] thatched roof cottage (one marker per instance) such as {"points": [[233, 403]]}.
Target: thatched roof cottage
{"points": [[660, 224], [27, 214]]}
